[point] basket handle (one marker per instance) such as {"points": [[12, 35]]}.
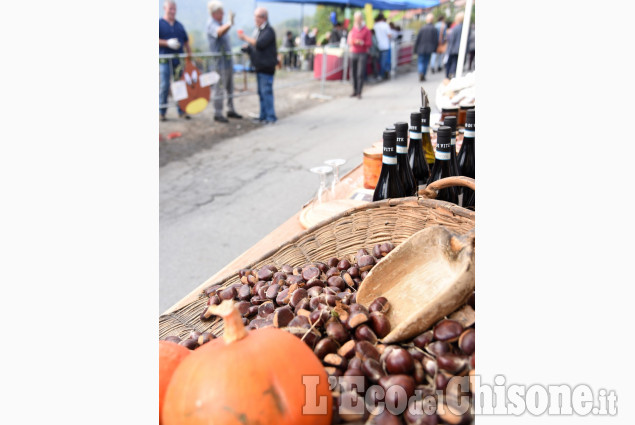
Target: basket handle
{"points": [[430, 191]]}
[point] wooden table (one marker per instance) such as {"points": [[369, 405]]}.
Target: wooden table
{"points": [[277, 237]]}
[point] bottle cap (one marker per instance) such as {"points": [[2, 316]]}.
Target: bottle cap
{"points": [[401, 126], [390, 143], [450, 122], [443, 138], [415, 121], [469, 116]]}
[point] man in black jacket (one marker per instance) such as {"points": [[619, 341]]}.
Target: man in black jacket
{"points": [[426, 44], [264, 58]]}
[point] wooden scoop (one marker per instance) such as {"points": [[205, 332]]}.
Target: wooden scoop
{"points": [[427, 277]]}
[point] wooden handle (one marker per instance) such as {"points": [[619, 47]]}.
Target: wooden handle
{"points": [[430, 191]]}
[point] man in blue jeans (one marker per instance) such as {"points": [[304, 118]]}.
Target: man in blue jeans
{"points": [[172, 39], [427, 42], [264, 57]]}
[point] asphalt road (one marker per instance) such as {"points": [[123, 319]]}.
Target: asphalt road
{"points": [[218, 202]]}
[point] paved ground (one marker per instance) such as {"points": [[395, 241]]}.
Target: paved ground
{"points": [[217, 202]]}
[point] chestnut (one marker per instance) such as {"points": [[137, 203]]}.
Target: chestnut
{"points": [[399, 361], [353, 271], [336, 281], [253, 310], [379, 304], [466, 341], [310, 272], [298, 295], [336, 330], [297, 279], [287, 269], [448, 330], [321, 266], [385, 248], [265, 274], [190, 343], [175, 339], [391, 383], [243, 307], [372, 369], [282, 316], [213, 300], [299, 322], [423, 339], [347, 349], [227, 294], [451, 362], [333, 359], [319, 317], [325, 346], [332, 262], [364, 332], [272, 291], [363, 275], [348, 279], [356, 318], [266, 308], [380, 324], [438, 347], [343, 264], [366, 262], [244, 293], [365, 349], [333, 271], [211, 290], [283, 297]]}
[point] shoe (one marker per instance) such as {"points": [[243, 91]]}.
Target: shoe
{"points": [[269, 122], [257, 121], [186, 116], [221, 118], [353, 94], [359, 96], [233, 114], [162, 118], [423, 78]]}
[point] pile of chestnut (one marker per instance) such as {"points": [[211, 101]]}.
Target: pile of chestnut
{"points": [[316, 303]]}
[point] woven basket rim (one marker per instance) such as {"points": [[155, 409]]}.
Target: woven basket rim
{"points": [[419, 200]]}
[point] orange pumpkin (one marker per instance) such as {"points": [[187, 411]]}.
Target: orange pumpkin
{"points": [[249, 377], [170, 356]]}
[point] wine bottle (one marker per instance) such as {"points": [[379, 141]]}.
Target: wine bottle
{"points": [[416, 157], [405, 172], [454, 166], [389, 183], [425, 136], [466, 158], [442, 163]]}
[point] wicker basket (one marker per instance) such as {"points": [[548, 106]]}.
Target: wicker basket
{"points": [[392, 220]]}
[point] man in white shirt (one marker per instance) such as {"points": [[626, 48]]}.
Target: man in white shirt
{"points": [[383, 35]]}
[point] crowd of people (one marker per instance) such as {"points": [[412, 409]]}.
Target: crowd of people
{"points": [[261, 47], [437, 45]]}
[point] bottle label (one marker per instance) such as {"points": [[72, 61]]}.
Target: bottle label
{"points": [[402, 149], [401, 141], [469, 133], [442, 155], [415, 135], [425, 129], [390, 160], [453, 141]]}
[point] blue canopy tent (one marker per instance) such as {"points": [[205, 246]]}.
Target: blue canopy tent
{"points": [[377, 4]]}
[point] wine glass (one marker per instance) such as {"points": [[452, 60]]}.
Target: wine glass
{"points": [[336, 164], [321, 171]]}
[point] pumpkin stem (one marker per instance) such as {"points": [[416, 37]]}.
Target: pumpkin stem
{"points": [[234, 328]]}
